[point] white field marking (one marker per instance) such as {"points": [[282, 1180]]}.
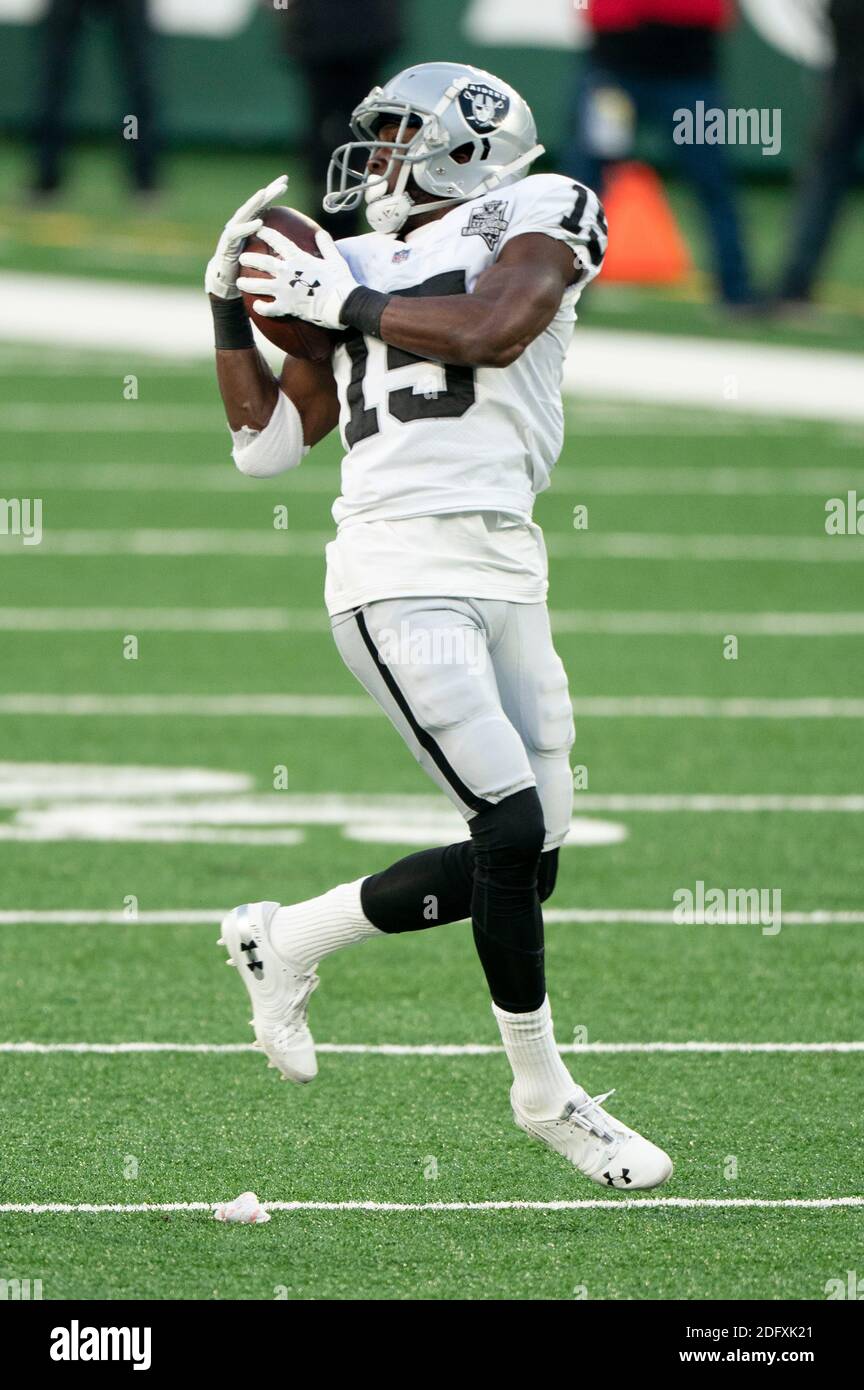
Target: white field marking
{"points": [[633, 481], [662, 369], [664, 803], [768, 624], [663, 917], [575, 1204], [617, 545], [184, 706], [24, 783], [314, 621], [799, 383], [580, 916], [428, 1049], [725, 482], [359, 707], [158, 805], [210, 823], [126, 417], [257, 545], [650, 545], [230, 796], [209, 620]]}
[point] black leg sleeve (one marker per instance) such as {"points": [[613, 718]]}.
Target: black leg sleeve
{"points": [[434, 887], [423, 890], [505, 908]]}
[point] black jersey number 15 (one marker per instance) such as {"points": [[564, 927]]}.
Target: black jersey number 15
{"points": [[405, 404]]}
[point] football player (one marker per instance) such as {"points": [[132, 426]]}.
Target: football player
{"points": [[456, 312]]}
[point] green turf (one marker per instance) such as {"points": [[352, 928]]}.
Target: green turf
{"points": [[204, 1127]]}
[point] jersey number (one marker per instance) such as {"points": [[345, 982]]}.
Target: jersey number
{"points": [[405, 404]]}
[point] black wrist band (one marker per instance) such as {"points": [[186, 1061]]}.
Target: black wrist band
{"points": [[363, 309], [231, 324]]}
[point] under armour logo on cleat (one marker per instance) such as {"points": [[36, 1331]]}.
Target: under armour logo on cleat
{"points": [[298, 280], [253, 963], [625, 1178]]}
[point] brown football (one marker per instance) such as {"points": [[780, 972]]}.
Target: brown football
{"points": [[292, 335]]}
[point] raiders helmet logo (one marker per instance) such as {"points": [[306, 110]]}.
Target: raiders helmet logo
{"points": [[483, 108]]}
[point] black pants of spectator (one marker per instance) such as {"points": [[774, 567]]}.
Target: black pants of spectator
{"points": [[62, 30], [655, 100], [826, 182], [334, 88]]}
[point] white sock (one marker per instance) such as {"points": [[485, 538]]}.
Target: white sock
{"points": [[542, 1083], [303, 933]]}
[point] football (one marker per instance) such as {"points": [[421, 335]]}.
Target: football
{"points": [[292, 335]]}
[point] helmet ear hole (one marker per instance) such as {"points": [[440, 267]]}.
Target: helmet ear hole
{"points": [[463, 154]]}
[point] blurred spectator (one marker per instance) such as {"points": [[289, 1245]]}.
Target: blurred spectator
{"points": [[342, 48], [648, 59], [61, 31], [830, 171]]}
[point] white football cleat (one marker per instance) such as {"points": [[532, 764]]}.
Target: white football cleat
{"points": [[605, 1150], [279, 993]]}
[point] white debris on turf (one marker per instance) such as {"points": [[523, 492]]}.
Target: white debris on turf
{"points": [[246, 1209]]}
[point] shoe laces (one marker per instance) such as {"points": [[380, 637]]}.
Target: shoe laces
{"points": [[298, 1009], [587, 1115]]}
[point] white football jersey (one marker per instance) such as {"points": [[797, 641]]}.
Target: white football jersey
{"points": [[422, 438]]}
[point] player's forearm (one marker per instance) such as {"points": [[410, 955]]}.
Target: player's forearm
{"points": [[460, 329], [248, 387]]}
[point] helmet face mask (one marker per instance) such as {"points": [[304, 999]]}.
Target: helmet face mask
{"points": [[440, 110], [417, 136]]}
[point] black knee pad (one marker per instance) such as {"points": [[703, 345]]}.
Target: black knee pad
{"points": [[511, 832]]}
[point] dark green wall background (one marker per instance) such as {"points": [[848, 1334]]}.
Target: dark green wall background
{"points": [[208, 92]]}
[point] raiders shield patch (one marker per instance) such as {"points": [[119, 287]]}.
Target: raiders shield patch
{"points": [[483, 108], [489, 222]]}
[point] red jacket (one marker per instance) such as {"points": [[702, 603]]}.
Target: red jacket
{"points": [[628, 14]]}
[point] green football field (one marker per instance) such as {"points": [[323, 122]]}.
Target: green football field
{"points": [[178, 735]]}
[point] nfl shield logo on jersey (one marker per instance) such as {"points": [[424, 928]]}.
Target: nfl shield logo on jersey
{"points": [[400, 256], [489, 222]]}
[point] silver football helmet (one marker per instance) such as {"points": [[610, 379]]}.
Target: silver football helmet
{"points": [[441, 109]]}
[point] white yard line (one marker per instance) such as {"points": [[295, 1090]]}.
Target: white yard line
{"points": [[125, 417], [218, 706], [267, 543], [642, 624], [729, 481], [430, 1049], [257, 545], [709, 803], [253, 706], [632, 623], [582, 916], [209, 620], [581, 1204], [748, 377]]}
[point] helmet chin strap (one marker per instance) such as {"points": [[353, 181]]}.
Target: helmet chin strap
{"points": [[388, 212]]}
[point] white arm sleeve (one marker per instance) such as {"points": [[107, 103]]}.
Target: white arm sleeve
{"points": [[276, 448]]}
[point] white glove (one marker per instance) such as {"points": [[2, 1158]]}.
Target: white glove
{"points": [[307, 287], [220, 277]]}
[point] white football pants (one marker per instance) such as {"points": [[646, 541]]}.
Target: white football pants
{"points": [[478, 693]]}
